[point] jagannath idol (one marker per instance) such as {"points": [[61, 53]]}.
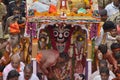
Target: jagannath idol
{"points": [[60, 34]]}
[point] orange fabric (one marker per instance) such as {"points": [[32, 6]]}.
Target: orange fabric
{"points": [[1, 74], [18, 69], [38, 57], [118, 74], [14, 28], [52, 8], [6, 57], [22, 25]]}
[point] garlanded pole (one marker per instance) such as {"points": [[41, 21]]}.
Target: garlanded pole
{"points": [[89, 55], [34, 54], [89, 59], [31, 30]]}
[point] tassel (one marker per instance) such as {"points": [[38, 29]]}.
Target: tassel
{"points": [[38, 57]]}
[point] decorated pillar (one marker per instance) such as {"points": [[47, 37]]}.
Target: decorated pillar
{"points": [[34, 54], [89, 59], [89, 54]]}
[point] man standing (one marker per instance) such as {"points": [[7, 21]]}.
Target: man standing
{"points": [[28, 73], [104, 74], [113, 7], [102, 63], [15, 64]]}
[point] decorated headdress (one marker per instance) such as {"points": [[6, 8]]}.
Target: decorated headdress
{"points": [[14, 28]]}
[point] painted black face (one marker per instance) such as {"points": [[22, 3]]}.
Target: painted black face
{"points": [[61, 33]]}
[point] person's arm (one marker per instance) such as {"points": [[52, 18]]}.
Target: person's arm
{"points": [[44, 67], [7, 25], [111, 60], [3, 45]]}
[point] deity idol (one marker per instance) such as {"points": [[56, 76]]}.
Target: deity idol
{"points": [[60, 35]]}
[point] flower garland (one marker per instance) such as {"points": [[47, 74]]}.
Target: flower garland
{"points": [[93, 30], [62, 72], [31, 28]]}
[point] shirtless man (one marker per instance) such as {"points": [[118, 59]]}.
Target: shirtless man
{"points": [[51, 62], [48, 59]]}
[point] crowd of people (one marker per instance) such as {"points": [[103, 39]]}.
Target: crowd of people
{"points": [[14, 65], [107, 47]]}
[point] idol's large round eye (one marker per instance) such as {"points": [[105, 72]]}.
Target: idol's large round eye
{"points": [[55, 33], [66, 33]]}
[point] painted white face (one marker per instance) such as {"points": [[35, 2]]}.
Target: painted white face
{"points": [[61, 35]]}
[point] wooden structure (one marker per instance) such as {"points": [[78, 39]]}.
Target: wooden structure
{"points": [[86, 21]]}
